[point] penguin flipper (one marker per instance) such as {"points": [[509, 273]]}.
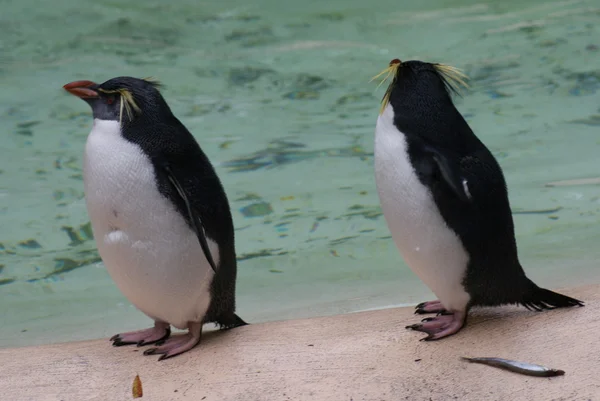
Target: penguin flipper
{"points": [[451, 173], [193, 215]]}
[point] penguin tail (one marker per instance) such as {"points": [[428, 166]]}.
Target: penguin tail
{"points": [[238, 321], [231, 322], [539, 299]]}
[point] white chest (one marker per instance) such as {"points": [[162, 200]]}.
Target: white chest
{"points": [[429, 247], [152, 255]]}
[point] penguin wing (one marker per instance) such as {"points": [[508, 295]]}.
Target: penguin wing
{"points": [[452, 173], [193, 215]]}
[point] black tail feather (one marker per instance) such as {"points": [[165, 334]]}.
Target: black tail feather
{"points": [[232, 321], [539, 299], [239, 322]]}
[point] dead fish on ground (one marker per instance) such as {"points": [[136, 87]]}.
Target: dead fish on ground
{"points": [[523, 368]]}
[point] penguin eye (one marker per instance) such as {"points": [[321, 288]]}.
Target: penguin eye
{"points": [[110, 100]]}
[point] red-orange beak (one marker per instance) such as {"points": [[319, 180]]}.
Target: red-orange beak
{"points": [[81, 89]]}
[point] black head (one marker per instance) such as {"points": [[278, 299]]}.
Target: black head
{"points": [[123, 99], [417, 83]]}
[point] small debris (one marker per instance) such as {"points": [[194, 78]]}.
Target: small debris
{"points": [[30, 244], [536, 211], [137, 387], [226, 144], [4, 281], [275, 271], [28, 124], [261, 253], [257, 209], [580, 181], [418, 360], [302, 95], [593, 120], [341, 240], [249, 196]]}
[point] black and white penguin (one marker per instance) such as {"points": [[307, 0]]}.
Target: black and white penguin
{"points": [[159, 214], [445, 201]]}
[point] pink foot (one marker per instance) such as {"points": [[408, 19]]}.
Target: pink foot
{"points": [[155, 335], [440, 326], [178, 344], [430, 307]]}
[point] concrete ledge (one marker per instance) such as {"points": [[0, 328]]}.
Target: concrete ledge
{"points": [[360, 356]]}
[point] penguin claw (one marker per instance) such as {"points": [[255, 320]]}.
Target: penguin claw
{"points": [[119, 343], [160, 332], [440, 326], [429, 307]]}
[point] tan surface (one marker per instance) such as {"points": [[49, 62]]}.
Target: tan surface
{"points": [[361, 356]]}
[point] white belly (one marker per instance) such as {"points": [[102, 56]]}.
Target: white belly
{"points": [[429, 247], [149, 251]]}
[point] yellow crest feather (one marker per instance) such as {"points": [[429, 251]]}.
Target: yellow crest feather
{"points": [[389, 71], [127, 102], [152, 80], [454, 77]]}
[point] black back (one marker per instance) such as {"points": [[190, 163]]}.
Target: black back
{"points": [[174, 151], [424, 111]]}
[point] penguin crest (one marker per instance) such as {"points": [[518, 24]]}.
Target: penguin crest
{"points": [[454, 79]]}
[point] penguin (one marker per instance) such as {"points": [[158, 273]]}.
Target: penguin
{"points": [[159, 214], [445, 201]]}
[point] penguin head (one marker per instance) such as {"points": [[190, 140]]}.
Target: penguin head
{"points": [[123, 99], [417, 84]]}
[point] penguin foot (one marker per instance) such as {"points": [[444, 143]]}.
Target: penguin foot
{"points": [[440, 326], [430, 307], [155, 335], [178, 344]]}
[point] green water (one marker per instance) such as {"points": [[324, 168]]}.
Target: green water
{"points": [[278, 95]]}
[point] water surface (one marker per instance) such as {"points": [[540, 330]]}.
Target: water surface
{"points": [[278, 95]]}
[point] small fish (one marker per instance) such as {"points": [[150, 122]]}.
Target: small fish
{"points": [[136, 388], [518, 367]]}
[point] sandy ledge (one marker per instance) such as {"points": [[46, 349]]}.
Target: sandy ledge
{"points": [[359, 356]]}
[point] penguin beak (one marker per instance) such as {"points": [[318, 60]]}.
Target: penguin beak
{"points": [[81, 89]]}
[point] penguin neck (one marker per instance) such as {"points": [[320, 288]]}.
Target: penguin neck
{"points": [[113, 130], [109, 128]]}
